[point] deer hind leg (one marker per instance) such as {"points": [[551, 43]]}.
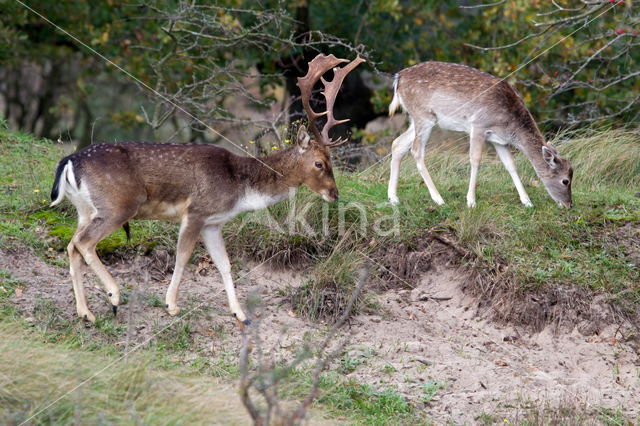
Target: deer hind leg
{"points": [[189, 232], [212, 236], [509, 164], [84, 242], [399, 148], [76, 269], [418, 151], [476, 145]]}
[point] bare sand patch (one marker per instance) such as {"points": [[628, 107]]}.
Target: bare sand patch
{"points": [[435, 343]]}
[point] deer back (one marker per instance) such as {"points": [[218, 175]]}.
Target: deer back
{"points": [[463, 94]]}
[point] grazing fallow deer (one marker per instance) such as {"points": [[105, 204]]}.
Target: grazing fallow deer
{"points": [[461, 98], [202, 186]]}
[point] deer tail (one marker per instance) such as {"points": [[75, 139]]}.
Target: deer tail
{"points": [[65, 179], [395, 102]]}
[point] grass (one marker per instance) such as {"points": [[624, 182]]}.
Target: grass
{"points": [[361, 403], [430, 390], [129, 391]]}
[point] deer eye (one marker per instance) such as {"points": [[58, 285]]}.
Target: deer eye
{"points": [[318, 164], [565, 182]]}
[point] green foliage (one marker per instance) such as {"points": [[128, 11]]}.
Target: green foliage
{"points": [[401, 34], [205, 52]]}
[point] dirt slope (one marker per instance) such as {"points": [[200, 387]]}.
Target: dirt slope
{"points": [[430, 343]]}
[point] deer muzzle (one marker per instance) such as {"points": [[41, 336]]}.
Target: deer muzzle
{"points": [[330, 194]]}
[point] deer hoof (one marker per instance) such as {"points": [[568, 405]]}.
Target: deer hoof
{"points": [[438, 200], [173, 311], [88, 316], [242, 324]]}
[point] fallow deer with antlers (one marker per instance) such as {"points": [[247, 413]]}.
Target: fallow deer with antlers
{"points": [[461, 98], [201, 186]]}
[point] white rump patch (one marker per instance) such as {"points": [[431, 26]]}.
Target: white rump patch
{"points": [[66, 184], [78, 194]]}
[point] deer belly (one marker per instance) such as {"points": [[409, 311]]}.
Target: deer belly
{"points": [[162, 210], [453, 123], [496, 138]]}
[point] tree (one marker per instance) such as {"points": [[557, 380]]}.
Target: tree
{"points": [[586, 55]]}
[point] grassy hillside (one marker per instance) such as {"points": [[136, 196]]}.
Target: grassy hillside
{"points": [[593, 246]]}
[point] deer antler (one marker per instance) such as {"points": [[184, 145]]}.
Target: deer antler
{"points": [[317, 67]]}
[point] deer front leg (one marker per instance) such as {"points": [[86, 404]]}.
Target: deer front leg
{"points": [[212, 236], [187, 238], [476, 145], [509, 164]]}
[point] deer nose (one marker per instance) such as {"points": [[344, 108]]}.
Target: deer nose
{"points": [[333, 193]]}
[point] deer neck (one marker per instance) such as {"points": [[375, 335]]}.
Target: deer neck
{"points": [[273, 175], [530, 141]]}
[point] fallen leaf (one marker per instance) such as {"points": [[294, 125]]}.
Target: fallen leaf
{"points": [[19, 291], [501, 363], [292, 314]]}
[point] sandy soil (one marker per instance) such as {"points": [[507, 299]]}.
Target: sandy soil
{"points": [[430, 343]]}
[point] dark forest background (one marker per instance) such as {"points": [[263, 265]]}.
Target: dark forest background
{"points": [[233, 64]]}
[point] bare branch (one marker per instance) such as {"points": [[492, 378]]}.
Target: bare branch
{"points": [[267, 375], [584, 65], [479, 6]]}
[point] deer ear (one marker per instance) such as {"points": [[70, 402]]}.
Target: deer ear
{"points": [[303, 139], [552, 148], [549, 156]]}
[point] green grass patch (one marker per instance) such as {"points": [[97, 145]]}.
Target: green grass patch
{"points": [[366, 404]]}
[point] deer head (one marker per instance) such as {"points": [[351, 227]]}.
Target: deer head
{"points": [[556, 176], [314, 145]]}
